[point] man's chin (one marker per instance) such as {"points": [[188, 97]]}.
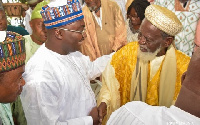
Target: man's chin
{"points": [[146, 56], [92, 8]]}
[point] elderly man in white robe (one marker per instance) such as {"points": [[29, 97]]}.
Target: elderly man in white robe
{"points": [[58, 76]]}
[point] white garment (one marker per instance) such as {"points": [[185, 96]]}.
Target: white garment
{"points": [[98, 19], [57, 89], [27, 19], [140, 113]]}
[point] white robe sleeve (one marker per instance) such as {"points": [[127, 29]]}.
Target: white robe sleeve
{"points": [[40, 100], [96, 67]]}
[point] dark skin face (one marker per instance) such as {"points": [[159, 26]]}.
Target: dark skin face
{"points": [[66, 41], [134, 19], [39, 34], [150, 39], [3, 21], [11, 84], [93, 4]]}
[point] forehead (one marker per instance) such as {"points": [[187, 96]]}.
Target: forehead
{"points": [[148, 29], [133, 12], [88, 1], [76, 24], [12, 75], [38, 20]]}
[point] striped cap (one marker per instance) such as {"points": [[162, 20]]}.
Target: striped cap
{"points": [[12, 51], [61, 12]]}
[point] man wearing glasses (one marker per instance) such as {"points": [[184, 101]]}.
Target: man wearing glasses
{"points": [[149, 70], [58, 75]]}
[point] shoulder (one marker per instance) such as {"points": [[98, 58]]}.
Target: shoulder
{"points": [[40, 59], [127, 50], [182, 61], [126, 54], [182, 57]]}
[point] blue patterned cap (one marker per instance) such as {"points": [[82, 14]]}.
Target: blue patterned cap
{"points": [[61, 12]]}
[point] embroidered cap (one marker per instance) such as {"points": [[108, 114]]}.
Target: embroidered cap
{"points": [[12, 51], [163, 19], [36, 12], [61, 12]]}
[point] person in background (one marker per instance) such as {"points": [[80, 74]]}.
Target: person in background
{"points": [[4, 26], [128, 3], [149, 70], [57, 76], [32, 4], [135, 15], [18, 115], [39, 33], [105, 28], [12, 60], [32, 43], [122, 5], [188, 12]]}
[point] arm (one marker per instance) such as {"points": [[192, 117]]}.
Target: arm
{"points": [[120, 29], [40, 100], [109, 97], [96, 67]]}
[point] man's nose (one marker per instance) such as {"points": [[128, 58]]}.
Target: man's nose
{"points": [[142, 40], [22, 82]]}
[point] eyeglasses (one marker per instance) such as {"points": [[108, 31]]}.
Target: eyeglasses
{"points": [[147, 40], [131, 17], [76, 31]]}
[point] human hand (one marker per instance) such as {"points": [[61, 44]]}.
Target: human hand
{"points": [[94, 115], [102, 111]]}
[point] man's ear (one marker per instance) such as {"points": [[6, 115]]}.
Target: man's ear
{"points": [[58, 34], [168, 41]]}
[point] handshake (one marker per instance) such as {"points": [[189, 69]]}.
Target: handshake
{"points": [[98, 114]]}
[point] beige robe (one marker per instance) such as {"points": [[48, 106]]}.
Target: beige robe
{"points": [[113, 34]]}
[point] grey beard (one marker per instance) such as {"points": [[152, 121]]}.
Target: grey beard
{"points": [[92, 8], [147, 56]]}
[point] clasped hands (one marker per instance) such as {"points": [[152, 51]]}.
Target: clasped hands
{"points": [[98, 114]]}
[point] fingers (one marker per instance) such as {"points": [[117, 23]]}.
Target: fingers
{"points": [[102, 109], [100, 115]]}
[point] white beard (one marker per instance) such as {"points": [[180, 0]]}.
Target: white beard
{"points": [[147, 56], [92, 8]]}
